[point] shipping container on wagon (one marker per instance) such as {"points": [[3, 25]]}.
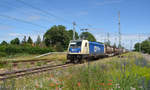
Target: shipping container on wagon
{"points": [[96, 48]]}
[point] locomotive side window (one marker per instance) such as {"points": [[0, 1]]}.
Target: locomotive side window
{"points": [[85, 44]]}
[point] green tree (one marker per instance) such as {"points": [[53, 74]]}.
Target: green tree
{"points": [[108, 43], [145, 46], [87, 36], [58, 47], [38, 41], [114, 45], [136, 46], [70, 32], [24, 41], [30, 41], [57, 34], [15, 41], [4, 43], [149, 39]]}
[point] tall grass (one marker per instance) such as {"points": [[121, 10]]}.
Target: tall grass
{"points": [[128, 73]]}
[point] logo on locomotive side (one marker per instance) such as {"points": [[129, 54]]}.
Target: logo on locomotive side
{"points": [[96, 49]]}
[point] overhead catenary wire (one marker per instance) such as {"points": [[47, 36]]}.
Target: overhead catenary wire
{"points": [[43, 11], [7, 5], [20, 20]]}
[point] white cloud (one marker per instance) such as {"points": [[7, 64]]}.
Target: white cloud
{"points": [[34, 18], [105, 2], [16, 34], [6, 27], [82, 13]]}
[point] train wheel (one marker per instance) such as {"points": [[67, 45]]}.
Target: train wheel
{"points": [[76, 61]]}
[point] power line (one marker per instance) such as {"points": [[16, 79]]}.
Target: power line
{"points": [[7, 4], [43, 11], [20, 20]]}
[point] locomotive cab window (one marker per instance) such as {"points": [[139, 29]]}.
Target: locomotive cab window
{"points": [[76, 44]]}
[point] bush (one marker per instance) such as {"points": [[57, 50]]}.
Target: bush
{"points": [[14, 49], [2, 54]]}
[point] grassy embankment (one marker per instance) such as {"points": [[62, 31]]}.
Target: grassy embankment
{"points": [[129, 72], [19, 57]]}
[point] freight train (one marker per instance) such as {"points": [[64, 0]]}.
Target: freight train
{"points": [[78, 50]]}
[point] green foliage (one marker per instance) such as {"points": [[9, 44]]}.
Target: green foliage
{"points": [[3, 54], [114, 45], [144, 46], [38, 41], [59, 47], [107, 43], [14, 49], [87, 36], [30, 41], [15, 41], [4, 43], [136, 46], [57, 34], [57, 37], [24, 41], [70, 32]]}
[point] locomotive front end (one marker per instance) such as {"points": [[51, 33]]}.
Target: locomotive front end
{"points": [[77, 50]]}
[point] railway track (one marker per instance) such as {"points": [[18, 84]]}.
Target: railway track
{"points": [[20, 73], [21, 61], [32, 60]]}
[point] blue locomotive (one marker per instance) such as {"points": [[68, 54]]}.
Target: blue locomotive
{"points": [[84, 49]]}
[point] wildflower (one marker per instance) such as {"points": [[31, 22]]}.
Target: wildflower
{"points": [[79, 84], [51, 75], [57, 88], [60, 80], [110, 80], [57, 84], [101, 84], [52, 84], [36, 86], [109, 84]]}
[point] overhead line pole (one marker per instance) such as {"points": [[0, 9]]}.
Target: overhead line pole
{"points": [[108, 41], [139, 43], [74, 31], [119, 30]]}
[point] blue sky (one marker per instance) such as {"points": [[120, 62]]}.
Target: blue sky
{"points": [[100, 16]]}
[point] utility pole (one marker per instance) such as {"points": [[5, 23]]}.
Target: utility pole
{"points": [[105, 38], [139, 43], [108, 36], [119, 30], [108, 41], [74, 31], [131, 45]]}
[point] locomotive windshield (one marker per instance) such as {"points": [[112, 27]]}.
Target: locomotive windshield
{"points": [[75, 44]]}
